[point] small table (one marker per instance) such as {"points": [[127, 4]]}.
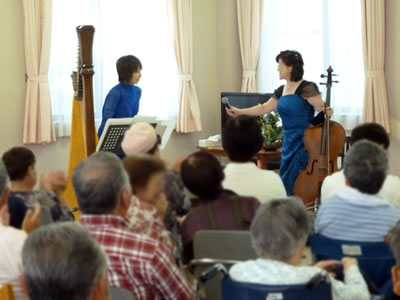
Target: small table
{"points": [[262, 156]]}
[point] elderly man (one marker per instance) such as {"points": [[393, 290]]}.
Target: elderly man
{"points": [[137, 262], [279, 233], [62, 261], [358, 212], [377, 134], [12, 240]]}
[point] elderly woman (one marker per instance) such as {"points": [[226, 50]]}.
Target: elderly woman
{"points": [[358, 212], [279, 232]]}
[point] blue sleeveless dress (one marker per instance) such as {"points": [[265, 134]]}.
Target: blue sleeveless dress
{"points": [[296, 114]]}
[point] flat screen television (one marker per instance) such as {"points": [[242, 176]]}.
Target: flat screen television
{"points": [[241, 100]]}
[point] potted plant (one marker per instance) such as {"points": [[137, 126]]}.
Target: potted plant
{"points": [[272, 131]]}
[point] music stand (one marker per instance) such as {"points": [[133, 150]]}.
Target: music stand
{"points": [[114, 131]]}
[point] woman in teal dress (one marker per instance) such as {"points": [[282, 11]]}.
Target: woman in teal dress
{"points": [[296, 102]]}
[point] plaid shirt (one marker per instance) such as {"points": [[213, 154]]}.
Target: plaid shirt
{"points": [[137, 262]]}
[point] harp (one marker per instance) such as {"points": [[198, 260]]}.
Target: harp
{"points": [[83, 84]]}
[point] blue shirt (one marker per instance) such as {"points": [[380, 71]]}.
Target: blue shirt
{"points": [[121, 102], [354, 216]]}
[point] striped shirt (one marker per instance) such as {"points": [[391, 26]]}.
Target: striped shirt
{"points": [[136, 262], [353, 216]]}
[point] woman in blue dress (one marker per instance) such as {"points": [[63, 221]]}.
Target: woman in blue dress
{"points": [[296, 102], [123, 99]]}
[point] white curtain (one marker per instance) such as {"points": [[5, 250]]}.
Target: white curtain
{"points": [[373, 28], [180, 17], [249, 15], [122, 27], [323, 39], [38, 123]]}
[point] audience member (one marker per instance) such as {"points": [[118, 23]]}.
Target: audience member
{"points": [[394, 237], [62, 261], [215, 207], [148, 202], [279, 233], [12, 240], [242, 139], [20, 164], [374, 133], [137, 262], [142, 138], [358, 212]]}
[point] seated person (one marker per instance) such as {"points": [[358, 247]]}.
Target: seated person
{"points": [[358, 212], [148, 204], [20, 164], [215, 207], [12, 240], [279, 233], [62, 261], [375, 133], [394, 237], [140, 138], [242, 139], [137, 262]]}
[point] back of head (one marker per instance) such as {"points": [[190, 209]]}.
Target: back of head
{"points": [[141, 137], [62, 261], [3, 178], [126, 66], [17, 161], [202, 174], [366, 166], [98, 182], [141, 168], [242, 138], [373, 132], [279, 227]]}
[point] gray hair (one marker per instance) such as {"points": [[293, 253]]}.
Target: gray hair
{"points": [[3, 178], [61, 261], [98, 182], [394, 237], [366, 166], [279, 227]]}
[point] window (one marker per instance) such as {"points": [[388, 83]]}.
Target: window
{"points": [[122, 27], [325, 32]]}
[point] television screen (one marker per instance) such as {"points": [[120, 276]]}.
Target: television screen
{"points": [[241, 100]]}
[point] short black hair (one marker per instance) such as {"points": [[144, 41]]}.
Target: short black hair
{"points": [[126, 66], [202, 174], [17, 161], [242, 138], [373, 132], [293, 59]]}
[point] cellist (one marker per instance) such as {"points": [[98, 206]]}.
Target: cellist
{"points": [[296, 102]]}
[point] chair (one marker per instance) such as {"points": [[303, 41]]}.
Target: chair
{"points": [[121, 294], [220, 246], [235, 290], [6, 292], [375, 259]]}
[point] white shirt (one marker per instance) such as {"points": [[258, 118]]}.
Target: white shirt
{"points": [[11, 241], [336, 182], [246, 179]]}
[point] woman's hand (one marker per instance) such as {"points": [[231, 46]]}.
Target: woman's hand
{"points": [[233, 111], [329, 111], [348, 262]]}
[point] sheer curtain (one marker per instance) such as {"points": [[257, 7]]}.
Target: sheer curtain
{"points": [[325, 32], [122, 27]]}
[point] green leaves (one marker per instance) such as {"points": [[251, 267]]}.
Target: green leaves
{"points": [[271, 127]]}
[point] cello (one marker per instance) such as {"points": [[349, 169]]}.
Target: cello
{"points": [[324, 143]]}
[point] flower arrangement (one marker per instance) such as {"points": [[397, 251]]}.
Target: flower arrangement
{"points": [[271, 128]]}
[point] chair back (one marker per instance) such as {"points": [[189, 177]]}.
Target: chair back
{"points": [[235, 290], [375, 259], [220, 246], [121, 294], [6, 292]]}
